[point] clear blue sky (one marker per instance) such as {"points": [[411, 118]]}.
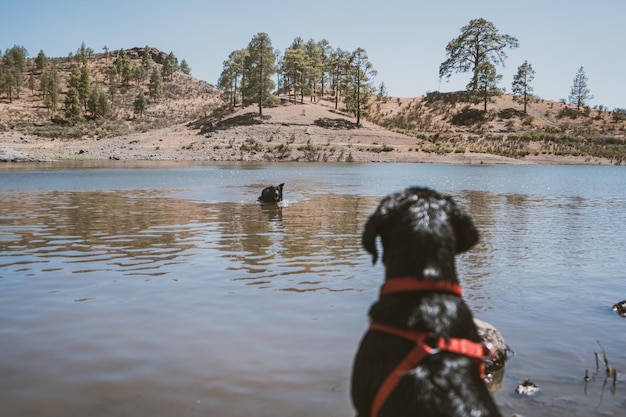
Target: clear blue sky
{"points": [[405, 39]]}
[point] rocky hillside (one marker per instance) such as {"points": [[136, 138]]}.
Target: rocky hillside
{"points": [[184, 98], [448, 122]]}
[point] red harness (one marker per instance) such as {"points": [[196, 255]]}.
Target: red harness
{"points": [[425, 343]]}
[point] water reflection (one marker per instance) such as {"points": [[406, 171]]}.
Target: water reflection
{"points": [[94, 231], [146, 233], [316, 239]]}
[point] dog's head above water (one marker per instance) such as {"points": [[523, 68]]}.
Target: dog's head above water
{"points": [[272, 194], [421, 231]]}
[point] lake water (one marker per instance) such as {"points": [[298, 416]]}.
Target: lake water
{"points": [[165, 289]]}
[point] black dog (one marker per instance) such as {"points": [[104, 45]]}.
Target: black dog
{"points": [[272, 194], [422, 354]]}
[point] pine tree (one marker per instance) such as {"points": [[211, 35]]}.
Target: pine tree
{"points": [[139, 74], [155, 87], [487, 83], [314, 68], [122, 66], [50, 88], [478, 43], [140, 103], [14, 63], [104, 105], [339, 68], [231, 78], [259, 68], [170, 66], [73, 79], [580, 92], [98, 104], [84, 87], [184, 67], [522, 90], [41, 62], [382, 92], [325, 51], [146, 59], [358, 84], [73, 108], [295, 67], [81, 54], [112, 74], [31, 82]]}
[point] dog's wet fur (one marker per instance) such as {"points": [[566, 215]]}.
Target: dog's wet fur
{"points": [[421, 232], [272, 194]]}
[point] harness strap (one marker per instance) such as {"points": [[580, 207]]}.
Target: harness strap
{"points": [[425, 344]]}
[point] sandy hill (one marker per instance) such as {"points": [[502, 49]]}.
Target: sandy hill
{"points": [[191, 122], [184, 98]]}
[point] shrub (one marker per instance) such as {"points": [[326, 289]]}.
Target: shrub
{"points": [[468, 116], [568, 112], [619, 115]]}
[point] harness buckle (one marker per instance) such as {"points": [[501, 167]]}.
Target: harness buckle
{"points": [[489, 350], [431, 345]]}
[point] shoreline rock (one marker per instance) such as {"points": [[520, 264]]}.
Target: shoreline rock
{"points": [[12, 155]]}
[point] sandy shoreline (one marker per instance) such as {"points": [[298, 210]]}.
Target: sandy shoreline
{"points": [[293, 133]]}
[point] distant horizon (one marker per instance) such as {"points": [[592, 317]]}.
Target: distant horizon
{"points": [[405, 40]]}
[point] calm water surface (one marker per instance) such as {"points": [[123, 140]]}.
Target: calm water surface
{"points": [[165, 289]]}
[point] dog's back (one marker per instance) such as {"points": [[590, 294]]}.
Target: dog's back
{"points": [[421, 232]]}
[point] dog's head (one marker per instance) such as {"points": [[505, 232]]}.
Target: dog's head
{"points": [[272, 194], [421, 231]]}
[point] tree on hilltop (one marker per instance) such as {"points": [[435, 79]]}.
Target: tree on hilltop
{"points": [[260, 65], [83, 53], [295, 66], [487, 83], [522, 90], [358, 83], [315, 67], [339, 60], [231, 78], [184, 67], [478, 44], [580, 93], [146, 59], [41, 61], [326, 51], [170, 66], [382, 93]]}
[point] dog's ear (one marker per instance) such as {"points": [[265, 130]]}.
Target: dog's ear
{"points": [[370, 233], [464, 230]]}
